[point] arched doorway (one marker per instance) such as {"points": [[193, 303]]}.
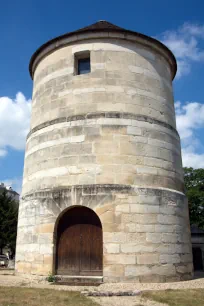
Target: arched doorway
{"points": [[79, 247]]}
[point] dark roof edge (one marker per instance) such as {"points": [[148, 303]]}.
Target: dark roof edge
{"points": [[55, 40]]}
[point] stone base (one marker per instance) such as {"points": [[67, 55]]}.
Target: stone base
{"points": [[146, 233]]}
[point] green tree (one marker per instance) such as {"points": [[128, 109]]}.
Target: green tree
{"points": [[194, 182], [8, 221]]}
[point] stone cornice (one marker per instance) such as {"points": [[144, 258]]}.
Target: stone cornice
{"points": [[115, 115], [95, 189]]}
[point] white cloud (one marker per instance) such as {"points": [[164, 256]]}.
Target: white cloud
{"points": [[2, 152], [190, 119], [15, 183], [192, 159], [185, 44], [193, 29], [14, 122]]}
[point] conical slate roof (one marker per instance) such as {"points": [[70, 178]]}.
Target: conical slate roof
{"points": [[99, 26]]}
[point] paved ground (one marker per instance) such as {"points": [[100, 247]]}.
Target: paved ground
{"points": [[11, 280]]}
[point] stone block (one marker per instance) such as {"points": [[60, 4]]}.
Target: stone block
{"points": [[137, 248], [165, 270], [86, 179], [166, 248], [150, 199], [144, 209], [137, 270], [145, 228], [114, 129], [123, 208], [35, 268], [45, 238], [154, 237], [25, 267], [184, 238], [125, 179], [104, 208], [48, 260], [132, 130], [112, 227], [135, 160], [106, 147], [87, 159], [173, 279], [167, 210], [147, 259], [185, 258], [136, 237], [133, 199], [123, 259], [147, 170], [46, 249], [39, 258], [113, 270], [133, 148], [112, 248], [40, 269], [105, 158], [114, 237], [122, 196], [105, 178], [170, 258], [184, 268], [130, 227], [107, 217], [144, 218], [160, 228], [152, 278], [183, 248], [170, 238], [138, 139], [30, 257]]}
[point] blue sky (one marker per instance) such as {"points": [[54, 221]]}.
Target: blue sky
{"points": [[26, 24]]}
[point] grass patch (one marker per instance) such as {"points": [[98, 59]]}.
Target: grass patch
{"points": [[13, 296], [186, 297]]}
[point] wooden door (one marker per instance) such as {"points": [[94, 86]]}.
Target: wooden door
{"points": [[79, 243]]}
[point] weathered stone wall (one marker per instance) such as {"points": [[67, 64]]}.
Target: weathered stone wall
{"points": [[103, 151], [124, 77], [145, 232], [106, 140]]}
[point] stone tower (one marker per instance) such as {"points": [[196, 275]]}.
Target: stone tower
{"points": [[103, 191]]}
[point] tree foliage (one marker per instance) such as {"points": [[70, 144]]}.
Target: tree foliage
{"points": [[8, 221], [194, 182]]}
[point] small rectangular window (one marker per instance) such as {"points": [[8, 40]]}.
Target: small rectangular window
{"points": [[82, 63], [84, 66]]}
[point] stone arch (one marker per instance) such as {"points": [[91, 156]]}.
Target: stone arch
{"points": [[78, 240]]}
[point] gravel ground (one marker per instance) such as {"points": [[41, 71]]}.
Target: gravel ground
{"points": [[11, 280]]}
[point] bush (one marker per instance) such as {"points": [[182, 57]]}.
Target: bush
{"points": [[51, 278]]}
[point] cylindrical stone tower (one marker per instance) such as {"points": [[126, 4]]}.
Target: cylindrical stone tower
{"points": [[103, 190]]}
